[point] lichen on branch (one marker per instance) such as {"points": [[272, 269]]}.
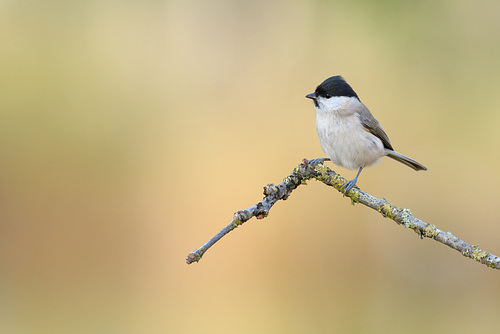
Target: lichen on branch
{"points": [[306, 171]]}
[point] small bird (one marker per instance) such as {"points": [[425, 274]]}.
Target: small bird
{"points": [[348, 133]]}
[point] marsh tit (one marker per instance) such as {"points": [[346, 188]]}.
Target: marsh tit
{"points": [[348, 133]]}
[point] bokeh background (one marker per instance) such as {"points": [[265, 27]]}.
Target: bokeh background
{"points": [[131, 131]]}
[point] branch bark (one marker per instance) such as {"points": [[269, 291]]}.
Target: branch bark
{"points": [[304, 172]]}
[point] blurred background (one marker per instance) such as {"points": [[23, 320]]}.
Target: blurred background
{"points": [[131, 131]]}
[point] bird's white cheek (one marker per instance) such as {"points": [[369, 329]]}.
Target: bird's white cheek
{"points": [[334, 103]]}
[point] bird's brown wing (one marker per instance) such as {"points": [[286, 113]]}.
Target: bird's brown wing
{"points": [[373, 126]]}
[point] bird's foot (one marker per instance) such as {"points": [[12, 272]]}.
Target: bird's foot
{"points": [[348, 185], [315, 162]]}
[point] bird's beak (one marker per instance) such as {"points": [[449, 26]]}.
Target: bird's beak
{"points": [[311, 96]]}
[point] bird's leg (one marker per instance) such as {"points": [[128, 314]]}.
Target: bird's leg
{"points": [[349, 184], [314, 162]]}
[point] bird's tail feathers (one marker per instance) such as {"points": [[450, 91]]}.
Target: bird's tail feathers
{"points": [[405, 160]]}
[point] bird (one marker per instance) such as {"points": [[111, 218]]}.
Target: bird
{"points": [[348, 133]]}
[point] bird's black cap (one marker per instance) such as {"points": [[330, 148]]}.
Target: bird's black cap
{"points": [[334, 86]]}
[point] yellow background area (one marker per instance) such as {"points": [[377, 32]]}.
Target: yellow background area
{"points": [[131, 131]]}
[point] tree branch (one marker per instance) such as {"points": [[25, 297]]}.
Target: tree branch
{"points": [[305, 171]]}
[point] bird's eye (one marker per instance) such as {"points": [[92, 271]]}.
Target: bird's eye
{"points": [[327, 96]]}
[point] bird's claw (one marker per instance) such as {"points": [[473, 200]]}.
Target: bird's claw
{"points": [[315, 162], [348, 186]]}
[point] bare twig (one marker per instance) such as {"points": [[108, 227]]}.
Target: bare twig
{"points": [[320, 172]]}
